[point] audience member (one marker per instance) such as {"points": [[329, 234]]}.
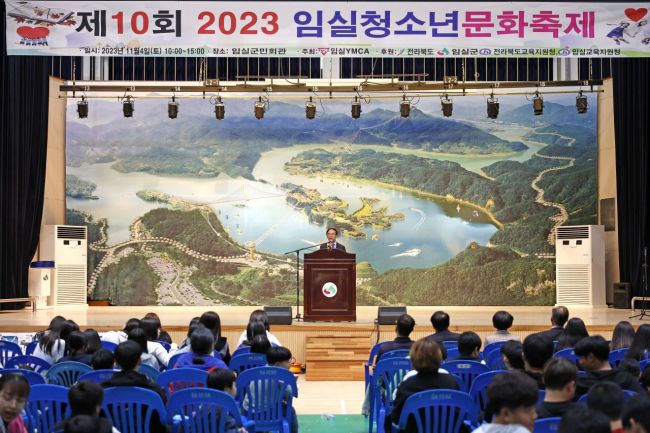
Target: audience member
{"points": [[440, 323], [502, 321], [512, 353], [593, 353], [85, 398], [252, 329], [201, 355], [224, 380], [261, 344], [260, 316], [55, 325], [645, 379], [146, 358], [51, 346], [212, 321], [185, 344], [574, 331], [560, 376], [469, 347], [83, 424], [117, 337], [559, 316], [14, 394], [584, 420], [151, 328], [622, 336], [162, 334], [636, 415], [511, 402], [640, 346], [403, 328], [76, 348], [538, 349], [631, 366], [103, 359], [608, 398], [281, 357]]}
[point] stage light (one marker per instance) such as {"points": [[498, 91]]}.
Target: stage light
{"points": [[172, 108], [581, 103], [128, 107], [447, 106], [538, 105], [404, 107], [356, 108], [219, 109], [492, 107], [82, 108], [310, 109], [260, 108]]}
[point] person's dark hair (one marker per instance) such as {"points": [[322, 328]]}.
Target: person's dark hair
{"points": [[467, 342], [607, 398], [511, 391], [332, 228], [254, 328], [193, 327], [85, 397], [127, 354], [17, 380], [153, 316], [260, 344], [202, 344], [404, 325], [630, 365], [559, 315], [513, 350], [51, 335], [55, 323], [138, 335], [277, 354], [502, 320], [426, 355], [645, 377], [637, 409], [584, 420], [82, 424], [151, 327], [440, 321], [221, 378], [558, 373], [76, 343], [574, 331], [538, 349], [622, 336], [212, 321], [131, 324], [103, 359], [641, 343], [596, 345], [260, 316], [93, 342]]}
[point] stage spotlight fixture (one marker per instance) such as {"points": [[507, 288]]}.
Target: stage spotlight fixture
{"points": [[219, 109], [310, 109], [82, 108], [404, 107], [492, 107], [581, 103], [356, 108], [172, 108], [447, 106], [538, 105], [260, 108], [128, 107]]}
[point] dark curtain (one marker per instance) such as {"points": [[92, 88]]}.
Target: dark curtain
{"points": [[631, 124], [23, 147]]}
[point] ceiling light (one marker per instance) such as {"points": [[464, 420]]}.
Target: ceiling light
{"points": [[404, 107], [172, 108], [538, 105], [128, 107], [581, 103], [260, 108], [492, 107], [219, 109], [356, 108], [82, 108], [447, 106], [310, 109]]}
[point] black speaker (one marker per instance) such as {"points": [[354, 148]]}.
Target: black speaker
{"points": [[389, 315], [279, 315], [622, 295]]}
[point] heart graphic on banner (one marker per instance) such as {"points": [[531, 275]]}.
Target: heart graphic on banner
{"points": [[636, 14], [32, 32]]}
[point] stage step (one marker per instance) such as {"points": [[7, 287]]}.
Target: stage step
{"points": [[336, 356]]}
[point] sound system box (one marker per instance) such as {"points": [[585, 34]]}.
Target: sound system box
{"points": [[389, 315], [622, 295], [279, 315]]}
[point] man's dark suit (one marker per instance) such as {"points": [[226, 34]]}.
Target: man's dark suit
{"points": [[553, 333], [337, 246], [445, 335]]}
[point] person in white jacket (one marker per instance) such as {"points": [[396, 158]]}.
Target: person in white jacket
{"points": [[118, 337], [260, 316]]}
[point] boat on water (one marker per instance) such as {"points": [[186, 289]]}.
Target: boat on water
{"points": [[396, 244], [408, 253]]}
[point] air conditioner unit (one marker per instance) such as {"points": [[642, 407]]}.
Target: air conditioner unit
{"points": [[67, 246], [580, 265]]}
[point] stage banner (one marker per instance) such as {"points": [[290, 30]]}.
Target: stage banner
{"points": [[327, 29]]}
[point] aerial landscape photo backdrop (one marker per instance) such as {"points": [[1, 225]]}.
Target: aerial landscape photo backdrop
{"points": [[439, 211]]}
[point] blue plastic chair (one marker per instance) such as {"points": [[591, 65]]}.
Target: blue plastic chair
{"points": [[46, 407], [203, 411], [387, 376], [547, 425], [478, 390], [467, 370], [32, 377], [109, 345], [453, 353], [371, 361], [174, 380], [241, 350], [570, 355], [31, 347], [245, 361], [628, 394], [399, 353], [541, 395], [450, 344], [644, 363], [439, 411], [8, 350], [494, 360], [174, 359], [97, 376], [149, 371], [28, 362], [491, 347], [265, 396], [66, 373], [131, 409], [616, 356]]}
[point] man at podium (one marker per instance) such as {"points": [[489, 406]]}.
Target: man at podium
{"points": [[331, 243]]}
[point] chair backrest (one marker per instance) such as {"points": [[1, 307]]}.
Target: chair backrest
{"points": [[31, 347], [547, 425], [492, 346], [265, 396], [8, 350], [616, 356], [149, 371], [109, 345], [628, 394], [241, 350], [28, 362], [32, 377], [97, 376], [174, 359], [202, 411], [467, 370], [66, 373], [130, 409], [165, 345], [399, 353], [388, 375], [541, 395], [46, 407], [644, 363], [478, 390], [452, 353], [494, 360], [180, 378], [569, 354], [440, 411], [245, 361]]}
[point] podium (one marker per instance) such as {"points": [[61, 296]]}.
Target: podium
{"points": [[330, 286]]}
